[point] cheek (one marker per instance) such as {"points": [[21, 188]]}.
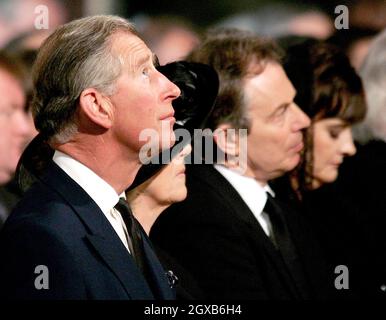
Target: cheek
{"points": [[163, 184], [143, 110], [326, 174], [279, 147], [158, 192], [323, 150], [179, 191], [324, 153]]}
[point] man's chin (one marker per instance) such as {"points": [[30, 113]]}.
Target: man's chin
{"points": [[293, 162]]}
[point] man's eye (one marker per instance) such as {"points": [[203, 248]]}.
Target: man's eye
{"points": [[281, 111], [145, 72]]}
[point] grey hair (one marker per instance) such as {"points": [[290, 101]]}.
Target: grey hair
{"points": [[373, 73], [75, 57]]}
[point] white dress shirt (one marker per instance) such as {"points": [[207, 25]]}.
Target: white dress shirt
{"points": [[252, 192], [99, 190]]}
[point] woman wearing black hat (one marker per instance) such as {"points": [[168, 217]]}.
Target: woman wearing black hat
{"points": [[153, 196]]}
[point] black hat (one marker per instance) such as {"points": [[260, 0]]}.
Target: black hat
{"points": [[199, 86]]}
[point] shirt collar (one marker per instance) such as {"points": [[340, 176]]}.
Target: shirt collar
{"points": [[98, 189], [251, 191]]}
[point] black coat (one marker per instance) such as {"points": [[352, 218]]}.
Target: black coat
{"points": [[215, 236], [59, 226], [361, 183]]}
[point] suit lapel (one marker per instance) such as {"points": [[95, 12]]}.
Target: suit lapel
{"points": [[101, 234], [236, 204], [122, 265], [157, 272]]}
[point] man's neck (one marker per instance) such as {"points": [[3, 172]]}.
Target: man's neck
{"points": [[117, 169], [249, 173]]}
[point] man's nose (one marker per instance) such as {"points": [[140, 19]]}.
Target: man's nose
{"points": [[171, 91], [301, 120]]}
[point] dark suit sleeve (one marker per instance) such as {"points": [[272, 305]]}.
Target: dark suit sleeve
{"points": [[200, 234], [23, 249]]}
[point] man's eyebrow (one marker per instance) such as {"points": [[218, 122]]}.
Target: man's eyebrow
{"points": [[144, 59], [155, 60], [285, 104]]}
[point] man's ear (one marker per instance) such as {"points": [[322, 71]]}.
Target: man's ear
{"points": [[96, 107], [227, 139]]}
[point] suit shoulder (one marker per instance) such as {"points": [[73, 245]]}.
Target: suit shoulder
{"points": [[207, 206], [42, 209]]}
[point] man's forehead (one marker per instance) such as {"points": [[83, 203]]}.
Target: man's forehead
{"points": [[131, 48], [271, 88], [272, 81]]}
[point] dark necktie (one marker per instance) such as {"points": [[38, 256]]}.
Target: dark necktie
{"points": [[282, 240], [134, 232]]}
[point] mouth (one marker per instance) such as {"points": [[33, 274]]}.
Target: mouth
{"points": [[336, 164], [298, 147], [168, 117]]}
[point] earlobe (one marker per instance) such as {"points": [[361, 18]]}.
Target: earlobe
{"points": [[96, 107]]}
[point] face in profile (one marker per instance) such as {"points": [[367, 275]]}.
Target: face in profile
{"points": [[332, 142], [143, 96], [14, 126], [168, 186], [275, 137]]}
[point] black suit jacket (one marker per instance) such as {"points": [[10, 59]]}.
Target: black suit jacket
{"points": [[59, 226], [215, 236]]}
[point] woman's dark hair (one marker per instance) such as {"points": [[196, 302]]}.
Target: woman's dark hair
{"points": [[327, 87], [33, 161]]}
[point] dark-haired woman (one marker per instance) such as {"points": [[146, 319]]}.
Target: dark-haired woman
{"points": [[330, 92]]}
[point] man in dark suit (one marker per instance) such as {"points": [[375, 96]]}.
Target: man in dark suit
{"points": [[230, 232], [70, 237]]}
